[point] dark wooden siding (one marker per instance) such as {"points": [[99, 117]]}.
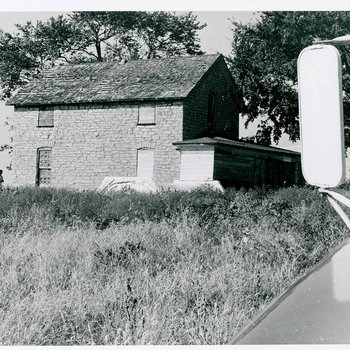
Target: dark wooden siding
{"points": [[248, 168]]}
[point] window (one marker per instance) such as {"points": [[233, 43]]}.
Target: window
{"points": [[45, 117], [145, 162], [44, 157], [147, 115], [211, 111]]}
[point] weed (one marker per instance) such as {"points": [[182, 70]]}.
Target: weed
{"points": [[81, 268]]}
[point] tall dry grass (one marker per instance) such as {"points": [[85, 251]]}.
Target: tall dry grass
{"points": [[177, 268]]}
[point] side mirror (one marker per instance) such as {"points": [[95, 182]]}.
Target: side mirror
{"points": [[321, 116]]}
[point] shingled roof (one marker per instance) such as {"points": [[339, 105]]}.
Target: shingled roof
{"points": [[154, 79]]}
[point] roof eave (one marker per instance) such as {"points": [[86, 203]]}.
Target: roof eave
{"points": [[55, 103], [232, 143]]}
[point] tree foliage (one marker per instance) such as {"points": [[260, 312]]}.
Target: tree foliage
{"points": [[93, 36], [157, 34], [264, 65]]}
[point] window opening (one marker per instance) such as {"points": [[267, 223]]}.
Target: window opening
{"points": [[45, 117], [44, 159], [211, 111], [147, 115], [145, 163]]}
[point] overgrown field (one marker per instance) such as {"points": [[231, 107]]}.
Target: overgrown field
{"points": [[169, 268]]}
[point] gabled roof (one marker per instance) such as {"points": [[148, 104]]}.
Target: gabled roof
{"points": [[136, 80]]}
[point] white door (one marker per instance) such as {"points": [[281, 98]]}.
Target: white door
{"points": [[145, 163]]}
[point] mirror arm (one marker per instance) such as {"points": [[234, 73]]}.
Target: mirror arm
{"points": [[332, 197]]}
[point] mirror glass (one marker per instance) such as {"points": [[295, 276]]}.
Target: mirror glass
{"points": [[321, 116]]}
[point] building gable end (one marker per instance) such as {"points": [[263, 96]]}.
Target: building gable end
{"points": [[226, 74]]}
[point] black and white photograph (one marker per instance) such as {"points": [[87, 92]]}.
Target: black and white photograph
{"points": [[174, 175]]}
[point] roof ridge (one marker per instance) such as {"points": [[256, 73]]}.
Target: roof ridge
{"points": [[135, 60]]}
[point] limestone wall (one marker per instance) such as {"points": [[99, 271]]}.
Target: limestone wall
{"points": [[90, 142]]}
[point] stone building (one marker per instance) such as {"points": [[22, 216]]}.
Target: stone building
{"points": [[81, 123]]}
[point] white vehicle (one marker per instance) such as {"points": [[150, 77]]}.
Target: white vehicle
{"points": [[316, 309]]}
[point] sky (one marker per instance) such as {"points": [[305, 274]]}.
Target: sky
{"points": [[179, 5], [215, 37]]}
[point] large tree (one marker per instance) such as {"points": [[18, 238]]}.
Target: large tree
{"points": [[264, 65], [33, 47], [93, 36]]}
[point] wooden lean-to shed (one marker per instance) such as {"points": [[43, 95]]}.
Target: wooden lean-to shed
{"points": [[237, 163]]}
